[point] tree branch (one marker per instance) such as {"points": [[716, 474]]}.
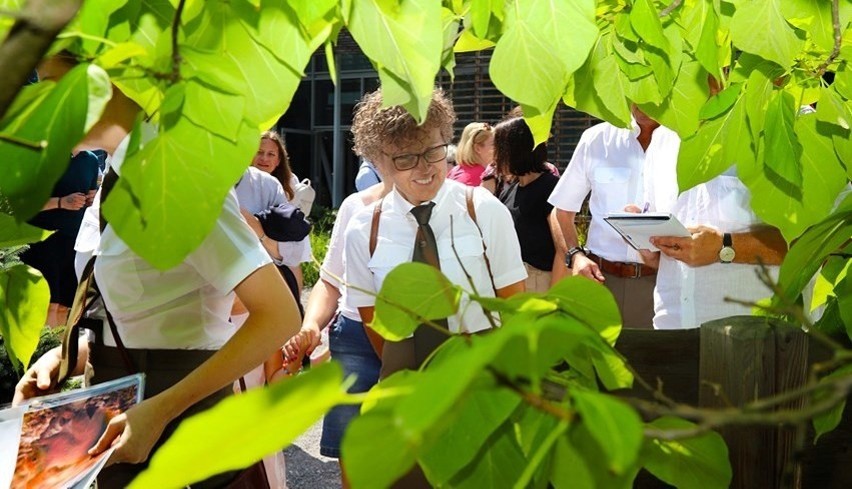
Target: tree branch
{"points": [[176, 58], [838, 38], [35, 29], [666, 11], [36, 145]]}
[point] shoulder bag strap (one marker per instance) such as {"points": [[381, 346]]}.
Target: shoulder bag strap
{"points": [[82, 301], [471, 210], [374, 226]]}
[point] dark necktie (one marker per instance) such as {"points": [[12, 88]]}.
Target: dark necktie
{"points": [[426, 338]]}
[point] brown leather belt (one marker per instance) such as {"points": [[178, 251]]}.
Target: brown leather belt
{"points": [[624, 270]]}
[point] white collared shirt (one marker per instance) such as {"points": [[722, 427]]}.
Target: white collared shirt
{"points": [[395, 245], [610, 163], [684, 296]]}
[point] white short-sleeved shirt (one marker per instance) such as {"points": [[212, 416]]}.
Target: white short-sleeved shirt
{"points": [[395, 245], [187, 306], [258, 191], [684, 296], [609, 162], [332, 265]]}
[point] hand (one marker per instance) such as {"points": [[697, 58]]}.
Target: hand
{"points": [[133, 432], [583, 265], [698, 250], [40, 378], [90, 197], [73, 202], [302, 343]]}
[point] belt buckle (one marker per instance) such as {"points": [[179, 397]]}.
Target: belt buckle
{"points": [[637, 270]]}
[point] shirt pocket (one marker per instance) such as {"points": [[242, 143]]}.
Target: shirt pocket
{"points": [[386, 257], [470, 259], [611, 175]]}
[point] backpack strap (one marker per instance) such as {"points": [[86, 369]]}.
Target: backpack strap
{"points": [[374, 226], [471, 211]]}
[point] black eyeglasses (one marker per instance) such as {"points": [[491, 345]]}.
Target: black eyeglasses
{"points": [[409, 161]]}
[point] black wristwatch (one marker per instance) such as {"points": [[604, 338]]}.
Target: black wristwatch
{"points": [[569, 256], [727, 253]]}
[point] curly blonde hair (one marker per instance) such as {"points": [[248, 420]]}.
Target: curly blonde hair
{"points": [[374, 126]]}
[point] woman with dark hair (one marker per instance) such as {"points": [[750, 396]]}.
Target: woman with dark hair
{"points": [[526, 198]]}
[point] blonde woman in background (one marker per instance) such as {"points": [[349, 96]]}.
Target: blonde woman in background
{"points": [[474, 152]]}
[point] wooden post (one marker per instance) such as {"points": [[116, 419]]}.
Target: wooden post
{"points": [[743, 359]]}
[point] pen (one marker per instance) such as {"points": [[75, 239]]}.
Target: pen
{"points": [[647, 206]]}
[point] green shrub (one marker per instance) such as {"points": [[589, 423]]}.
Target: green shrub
{"points": [[323, 218]]}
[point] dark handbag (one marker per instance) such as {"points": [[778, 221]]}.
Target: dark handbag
{"points": [[252, 477], [284, 222]]}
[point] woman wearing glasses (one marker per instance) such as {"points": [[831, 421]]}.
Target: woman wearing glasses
{"points": [[474, 153]]}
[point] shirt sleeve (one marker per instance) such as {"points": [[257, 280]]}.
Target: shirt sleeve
{"points": [[356, 258], [503, 250], [574, 185], [231, 252]]}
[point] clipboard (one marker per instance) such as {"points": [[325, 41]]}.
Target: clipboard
{"points": [[637, 229]]}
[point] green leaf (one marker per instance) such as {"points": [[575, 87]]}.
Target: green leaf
{"points": [[646, 23], [589, 302], [533, 43], [613, 425], [759, 91], [596, 459], [498, 464], [680, 111], [539, 123], [475, 420], [582, 94], [171, 178], [707, 50], [24, 296], [372, 439], [411, 291], [790, 209], [831, 419], [775, 40], [568, 468], [808, 252], [287, 409], [219, 112], [832, 110], [814, 17], [404, 41], [692, 463], [721, 102], [14, 233], [783, 149], [718, 144], [610, 86], [58, 117]]}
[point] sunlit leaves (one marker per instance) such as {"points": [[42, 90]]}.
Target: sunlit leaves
{"points": [[533, 44], [54, 114], [782, 147], [614, 425], [679, 112], [422, 291], [14, 233], [286, 409], [170, 193], [691, 463], [775, 40], [582, 92], [500, 461], [405, 42], [646, 23], [24, 298], [833, 110]]}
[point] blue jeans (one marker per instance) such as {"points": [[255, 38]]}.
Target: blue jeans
{"points": [[350, 347]]}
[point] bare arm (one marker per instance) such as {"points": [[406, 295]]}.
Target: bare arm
{"points": [[322, 304], [273, 317], [510, 290], [580, 263], [559, 270], [763, 244]]}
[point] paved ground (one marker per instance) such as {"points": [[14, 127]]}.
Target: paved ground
{"points": [[306, 468]]}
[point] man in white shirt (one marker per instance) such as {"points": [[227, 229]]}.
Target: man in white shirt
{"points": [[612, 163]]}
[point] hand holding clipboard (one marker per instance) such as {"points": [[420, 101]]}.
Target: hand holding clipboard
{"points": [[637, 229]]}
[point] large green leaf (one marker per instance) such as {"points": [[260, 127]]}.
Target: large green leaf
{"points": [[170, 192], [790, 209], [411, 291], [595, 459], [498, 464], [534, 44], [646, 23], [691, 463], [810, 249], [832, 109], [831, 419], [476, 418], [589, 302], [701, 24], [377, 451], [582, 93], [14, 233], [814, 17], [568, 468], [58, 118], [679, 111], [404, 40], [775, 40], [286, 408], [219, 112], [718, 144], [24, 297], [614, 425], [782, 146]]}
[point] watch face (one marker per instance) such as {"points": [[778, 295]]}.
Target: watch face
{"points": [[726, 254]]}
